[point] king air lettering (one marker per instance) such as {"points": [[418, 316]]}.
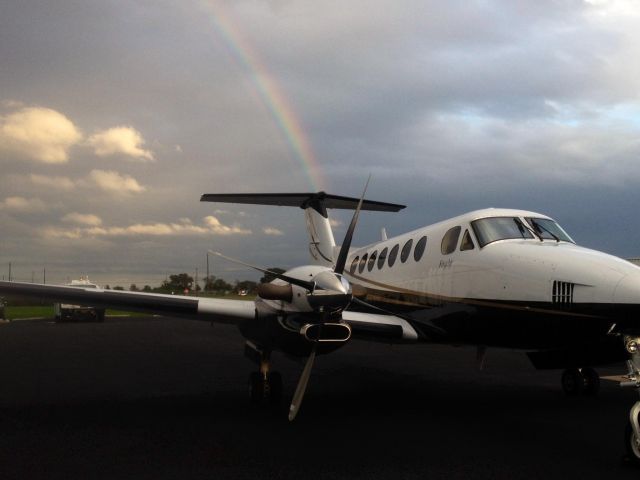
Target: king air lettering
{"points": [[444, 264]]}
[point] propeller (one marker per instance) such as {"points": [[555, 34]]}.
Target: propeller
{"points": [[338, 270], [330, 293], [302, 384], [310, 286]]}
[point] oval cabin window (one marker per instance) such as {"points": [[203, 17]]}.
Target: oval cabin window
{"points": [[354, 265], [363, 262], [382, 258], [420, 248], [372, 260], [393, 254], [406, 250]]}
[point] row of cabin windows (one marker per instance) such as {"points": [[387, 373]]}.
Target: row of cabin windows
{"points": [[448, 246]]}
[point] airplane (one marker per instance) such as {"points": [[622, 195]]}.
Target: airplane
{"points": [[491, 278]]}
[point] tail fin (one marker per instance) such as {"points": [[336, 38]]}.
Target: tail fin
{"points": [[315, 205]]}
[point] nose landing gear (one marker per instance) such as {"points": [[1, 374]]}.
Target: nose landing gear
{"points": [[265, 385], [632, 433], [265, 388]]}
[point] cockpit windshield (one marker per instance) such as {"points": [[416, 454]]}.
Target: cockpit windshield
{"points": [[499, 228], [492, 229]]}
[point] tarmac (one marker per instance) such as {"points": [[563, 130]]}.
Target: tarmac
{"points": [[165, 398]]}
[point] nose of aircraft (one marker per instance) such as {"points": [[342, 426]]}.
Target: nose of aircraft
{"points": [[628, 290]]}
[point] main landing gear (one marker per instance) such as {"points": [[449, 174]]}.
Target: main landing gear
{"points": [[265, 385], [632, 433], [580, 381]]}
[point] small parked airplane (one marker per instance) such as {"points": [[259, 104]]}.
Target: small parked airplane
{"points": [[490, 278]]}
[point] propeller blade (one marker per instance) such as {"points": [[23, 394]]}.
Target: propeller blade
{"points": [[302, 385], [346, 244], [310, 286]]}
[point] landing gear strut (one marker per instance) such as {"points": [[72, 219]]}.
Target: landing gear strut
{"points": [[265, 385], [580, 381], [632, 433]]}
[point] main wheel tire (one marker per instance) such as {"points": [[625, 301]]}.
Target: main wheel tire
{"points": [[591, 381], [632, 445], [573, 382], [256, 388], [275, 388]]}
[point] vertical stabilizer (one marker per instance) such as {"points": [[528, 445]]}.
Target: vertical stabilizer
{"points": [[321, 241]]}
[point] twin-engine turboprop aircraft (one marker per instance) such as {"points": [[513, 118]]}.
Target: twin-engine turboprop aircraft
{"points": [[489, 278]]}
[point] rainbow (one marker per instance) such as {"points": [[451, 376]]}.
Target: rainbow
{"points": [[270, 93]]}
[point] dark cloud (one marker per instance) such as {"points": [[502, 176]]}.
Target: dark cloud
{"points": [[452, 106]]}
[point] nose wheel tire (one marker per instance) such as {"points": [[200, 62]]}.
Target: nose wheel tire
{"points": [[572, 382], [580, 381], [591, 381]]}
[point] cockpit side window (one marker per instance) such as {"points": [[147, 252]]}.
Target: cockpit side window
{"points": [[450, 240], [467, 242]]}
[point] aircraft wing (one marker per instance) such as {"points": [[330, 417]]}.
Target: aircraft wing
{"points": [[366, 326], [197, 308]]}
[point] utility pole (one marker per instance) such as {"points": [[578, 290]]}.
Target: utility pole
{"points": [[9, 271], [33, 276], [44, 275], [206, 282], [195, 287]]}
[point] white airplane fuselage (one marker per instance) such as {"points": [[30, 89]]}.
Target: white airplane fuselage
{"points": [[520, 292]]}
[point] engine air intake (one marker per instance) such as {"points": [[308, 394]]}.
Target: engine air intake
{"points": [[326, 332]]}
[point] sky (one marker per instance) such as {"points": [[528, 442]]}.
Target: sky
{"points": [[115, 116]]}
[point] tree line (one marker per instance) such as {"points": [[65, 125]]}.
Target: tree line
{"points": [[183, 282]]}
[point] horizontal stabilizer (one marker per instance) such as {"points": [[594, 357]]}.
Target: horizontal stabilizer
{"points": [[318, 201]]}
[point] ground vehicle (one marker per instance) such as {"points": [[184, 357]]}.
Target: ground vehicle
{"points": [[78, 313]]}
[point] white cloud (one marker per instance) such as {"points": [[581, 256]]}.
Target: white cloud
{"points": [[210, 226], [23, 205], [54, 182], [41, 134], [120, 140], [82, 219], [272, 231], [12, 104], [219, 229], [111, 181]]}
